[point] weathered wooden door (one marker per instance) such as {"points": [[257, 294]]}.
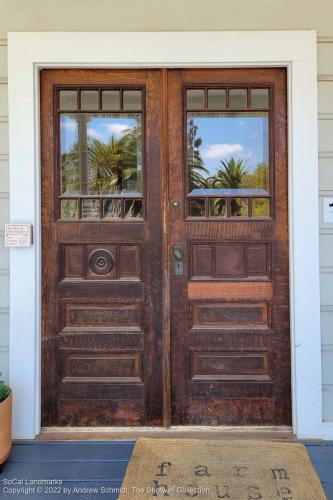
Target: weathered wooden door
{"points": [[165, 247], [101, 255], [230, 354]]}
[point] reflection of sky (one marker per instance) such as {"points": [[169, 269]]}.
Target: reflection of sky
{"points": [[223, 137], [98, 127]]}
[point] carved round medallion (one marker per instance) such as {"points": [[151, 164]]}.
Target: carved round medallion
{"points": [[101, 261]]}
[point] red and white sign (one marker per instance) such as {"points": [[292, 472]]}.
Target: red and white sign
{"points": [[18, 235]]}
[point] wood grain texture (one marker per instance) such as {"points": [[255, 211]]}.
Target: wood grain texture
{"points": [[101, 327], [230, 260], [134, 344], [233, 290], [230, 344]]}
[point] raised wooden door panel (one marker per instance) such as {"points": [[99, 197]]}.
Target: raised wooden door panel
{"points": [[230, 347], [101, 255]]}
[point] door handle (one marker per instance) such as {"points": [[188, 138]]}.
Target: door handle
{"points": [[178, 254], [178, 260]]}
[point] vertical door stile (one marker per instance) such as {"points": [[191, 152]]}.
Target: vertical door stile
{"points": [[165, 254]]}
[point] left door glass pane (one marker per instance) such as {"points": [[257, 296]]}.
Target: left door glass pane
{"points": [[101, 154]]}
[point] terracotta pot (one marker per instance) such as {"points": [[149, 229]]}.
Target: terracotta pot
{"points": [[5, 428]]}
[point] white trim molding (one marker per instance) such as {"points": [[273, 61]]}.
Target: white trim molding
{"points": [[296, 50]]}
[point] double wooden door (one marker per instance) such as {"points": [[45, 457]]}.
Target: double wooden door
{"points": [[165, 293]]}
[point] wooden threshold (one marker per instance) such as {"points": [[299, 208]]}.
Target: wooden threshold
{"points": [[282, 433]]}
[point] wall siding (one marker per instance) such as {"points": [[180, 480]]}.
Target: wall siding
{"points": [[325, 105], [325, 108], [4, 213]]}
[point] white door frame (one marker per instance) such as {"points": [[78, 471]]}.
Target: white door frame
{"points": [[296, 50]]}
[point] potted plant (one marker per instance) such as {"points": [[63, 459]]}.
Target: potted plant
{"points": [[5, 421]]}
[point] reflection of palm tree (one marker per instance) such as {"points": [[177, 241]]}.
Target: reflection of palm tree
{"points": [[112, 163], [196, 169], [70, 171], [230, 176]]}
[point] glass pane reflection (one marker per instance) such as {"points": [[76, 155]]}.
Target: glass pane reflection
{"points": [[133, 208], [101, 154], [218, 207], [227, 154], [197, 208], [68, 99], [111, 99], [260, 207], [112, 209], [69, 209], [195, 99], [89, 99], [237, 98], [90, 209], [239, 207], [259, 98], [217, 98], [132, 99]]}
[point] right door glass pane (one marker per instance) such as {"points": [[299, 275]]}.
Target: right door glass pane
{"points": [[239, 207], [227, 155], [195, 99], [217, 98], [237, 98], [260, 207], [111, 99], [259, 98]]}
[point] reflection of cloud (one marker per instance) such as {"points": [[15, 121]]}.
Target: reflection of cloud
{"points": [[249, 154], [253, 137], [216, 151], [68, 124], [117, 129], [93, 133], [241, 123]]}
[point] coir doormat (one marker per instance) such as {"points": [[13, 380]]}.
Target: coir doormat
{"points": [[206, 469]]}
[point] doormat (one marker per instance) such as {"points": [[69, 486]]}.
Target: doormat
{"points": [[206, 469]]}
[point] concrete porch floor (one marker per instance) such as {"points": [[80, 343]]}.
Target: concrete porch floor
{"points": [[101, 466]]}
